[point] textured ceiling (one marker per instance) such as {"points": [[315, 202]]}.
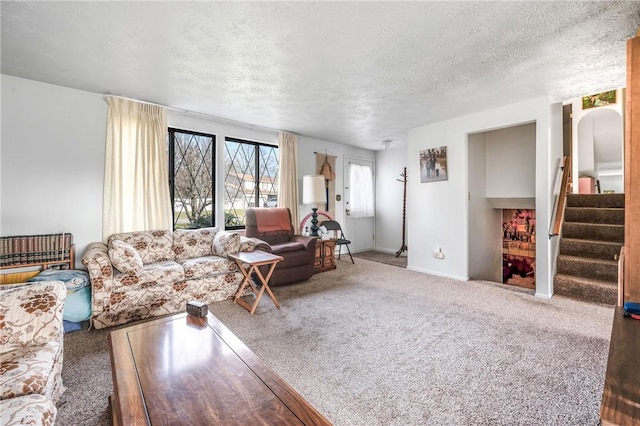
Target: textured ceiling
{"points": [[347, 72]]}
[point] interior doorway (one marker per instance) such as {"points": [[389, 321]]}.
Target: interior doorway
{"points": [[501, 181], [598, 148], [519, 247]]}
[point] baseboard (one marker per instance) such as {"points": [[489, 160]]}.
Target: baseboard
{"points": [[439, 274], [389, 251], [543, 296]]}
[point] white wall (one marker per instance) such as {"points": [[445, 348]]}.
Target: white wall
{"points": [[611, 183], [52, 161], [485, 242], [440, 217], [511, 166], [586, 150], [307, 166], [390, 164]]}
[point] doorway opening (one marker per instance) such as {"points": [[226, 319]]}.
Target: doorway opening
{"points": [[519, 247], [598, 148], [502, 206]]}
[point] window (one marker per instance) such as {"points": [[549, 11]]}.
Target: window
{"points": [[250, 179], [361, 187], [191, 178]]}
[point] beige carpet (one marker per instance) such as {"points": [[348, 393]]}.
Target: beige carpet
{"points": [[373, 344]]}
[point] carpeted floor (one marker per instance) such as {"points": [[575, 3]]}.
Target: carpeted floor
{"points": [[373, 344], [382, 257]]}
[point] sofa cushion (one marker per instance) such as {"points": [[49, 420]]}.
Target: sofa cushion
{"points": [[153, 274], [28, 410], [124, 257], [30, 314], [28, 370], [225, 243], [286, 247], [206, 266], [152, 246], [190, 243]]}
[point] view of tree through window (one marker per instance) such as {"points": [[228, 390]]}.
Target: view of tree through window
{"points": [[191, 175], [250, 180]]}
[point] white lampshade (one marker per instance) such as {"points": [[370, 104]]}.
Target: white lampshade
{"points": [[313, 189]]}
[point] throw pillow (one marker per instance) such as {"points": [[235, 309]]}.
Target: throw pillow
{"points": [[225, 243], [124, 257]]}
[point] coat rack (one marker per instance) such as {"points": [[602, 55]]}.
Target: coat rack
{"points": [[403, 247]]}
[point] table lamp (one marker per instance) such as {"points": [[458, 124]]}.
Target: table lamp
{"points": [[313, 192]]}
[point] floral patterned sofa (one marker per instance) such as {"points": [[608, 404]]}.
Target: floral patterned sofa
{"points": [[143, 274], [31, 350]]}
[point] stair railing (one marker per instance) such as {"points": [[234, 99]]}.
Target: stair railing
{"points": [[561, 200]]}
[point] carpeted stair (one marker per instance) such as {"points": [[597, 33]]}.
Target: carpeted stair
{"points": [[592, 235]]}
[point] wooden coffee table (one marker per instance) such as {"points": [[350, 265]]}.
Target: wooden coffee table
{"points": [[255, 259], [183, 370]]}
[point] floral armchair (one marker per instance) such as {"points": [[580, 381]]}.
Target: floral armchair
{"points": [[31, 350]]}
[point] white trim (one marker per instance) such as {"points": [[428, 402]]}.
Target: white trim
{"points": [[438, 274], [390, 251], [543, 296]]}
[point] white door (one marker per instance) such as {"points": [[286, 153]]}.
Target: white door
{"points": [[359, 192]]}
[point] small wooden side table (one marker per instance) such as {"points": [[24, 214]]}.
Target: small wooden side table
{"points": [[325, 256], [255, 259]]}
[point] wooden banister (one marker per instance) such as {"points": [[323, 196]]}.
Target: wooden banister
{"points": [[561, 201]]}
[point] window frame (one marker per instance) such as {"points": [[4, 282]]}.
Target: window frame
{"points": [[256, 168], [171, 131]]}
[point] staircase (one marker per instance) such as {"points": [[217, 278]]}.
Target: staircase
{"points": [[592, 235]]}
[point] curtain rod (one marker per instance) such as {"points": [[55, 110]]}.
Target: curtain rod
{"points": [[204, 116]]}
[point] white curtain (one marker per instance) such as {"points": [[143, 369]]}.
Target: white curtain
{"points": [[361, 190], [136, 177], [288, 176]]}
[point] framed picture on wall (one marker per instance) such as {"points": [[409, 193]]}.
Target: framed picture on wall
{"points": [[433, 164], [599, 99]]}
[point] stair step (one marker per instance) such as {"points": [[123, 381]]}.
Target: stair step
{"points": [[605, 270], [586, 289], [593, 231], [595, 200], [604, 250], [613, 216]]}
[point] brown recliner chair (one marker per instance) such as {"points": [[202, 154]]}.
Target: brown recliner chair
{"points": [[272, 230]]}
